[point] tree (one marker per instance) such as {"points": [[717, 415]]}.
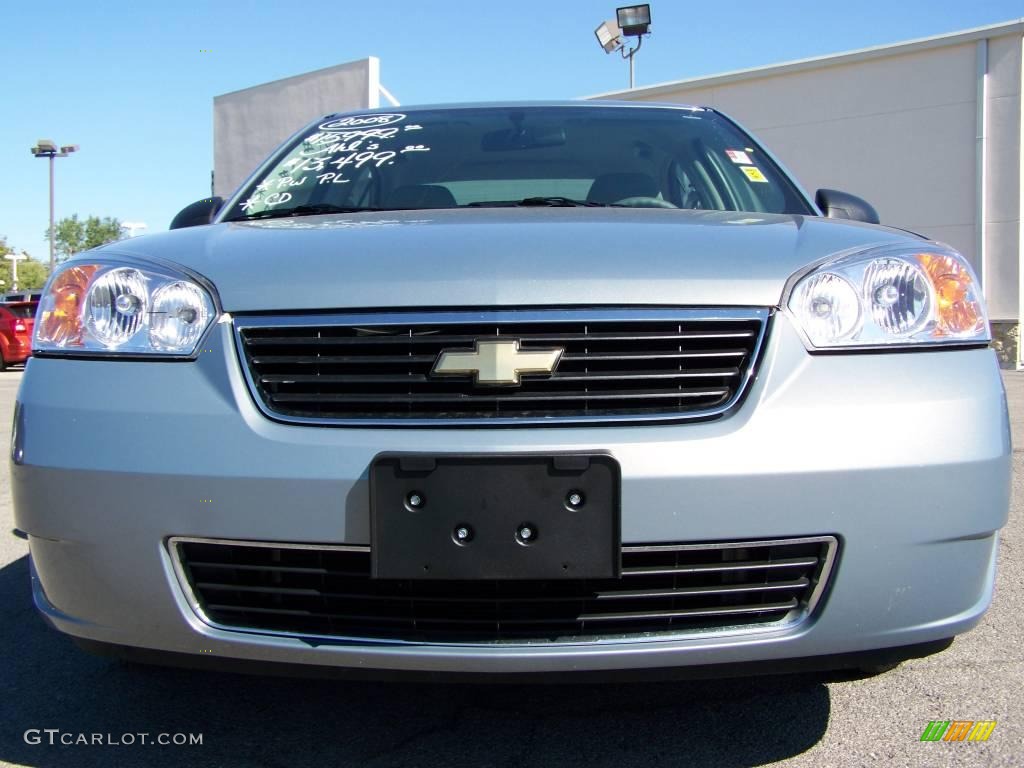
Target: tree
{"points": [[72, 235], [31, 273]]}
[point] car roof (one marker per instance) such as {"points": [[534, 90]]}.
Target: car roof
{"points": [[608, 103]]}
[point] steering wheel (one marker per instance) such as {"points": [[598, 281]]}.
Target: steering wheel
{"points": [[644, 202]]}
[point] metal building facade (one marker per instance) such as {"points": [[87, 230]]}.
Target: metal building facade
{"points": [[248, 124]]}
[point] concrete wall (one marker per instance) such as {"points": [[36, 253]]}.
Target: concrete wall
{"points": [[1003, 202], [249, 124], [900, 129]]}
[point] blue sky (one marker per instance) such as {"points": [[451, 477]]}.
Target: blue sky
{"points": [[128, 81]]}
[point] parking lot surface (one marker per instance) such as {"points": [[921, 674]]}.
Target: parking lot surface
{"points": [[802, 720]]}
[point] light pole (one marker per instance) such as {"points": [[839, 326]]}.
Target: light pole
{"points": [[631, 21], [47, 148], [14, 259]]}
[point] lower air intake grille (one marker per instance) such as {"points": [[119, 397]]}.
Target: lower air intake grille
{"points": [[612, 365], [327, 591]]}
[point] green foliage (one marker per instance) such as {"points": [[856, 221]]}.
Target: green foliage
{"points": [[31, 273], [73, 235]]}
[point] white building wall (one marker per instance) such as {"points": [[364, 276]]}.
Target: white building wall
{"points": [[249, 124], [1003, 203]]}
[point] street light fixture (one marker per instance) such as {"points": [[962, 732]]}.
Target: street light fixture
{"points": [[131, 227], [14, 258], [630, 21], [609, 36], [48, 148], [634, 19]]}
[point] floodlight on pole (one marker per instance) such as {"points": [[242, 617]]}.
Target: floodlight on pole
{"points": [[609, 36], [48, 148], [634, 19], [629, 21]]}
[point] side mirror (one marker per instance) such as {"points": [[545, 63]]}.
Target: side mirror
{"points": [[843, 205], [200, 212]]}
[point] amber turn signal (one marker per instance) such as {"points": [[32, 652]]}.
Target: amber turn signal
{"points": [[957, 309], [60, 316]]}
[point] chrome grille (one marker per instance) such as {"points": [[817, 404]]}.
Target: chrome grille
{"points": [[327, 591], [617, 365]]}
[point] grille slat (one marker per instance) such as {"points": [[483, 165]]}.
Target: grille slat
{"points": [[641, 356], [416, 378], [629, 594], [326, 591], [342, 359], [719, 568], [636, 594], [432, 338], [615, 365], [766, 608], [461, 398]]}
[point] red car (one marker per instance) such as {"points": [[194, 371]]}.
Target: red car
{"points": [[16, 321]]}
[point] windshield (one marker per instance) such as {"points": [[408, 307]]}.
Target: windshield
{"points": [[488, 156], [24, 311]]}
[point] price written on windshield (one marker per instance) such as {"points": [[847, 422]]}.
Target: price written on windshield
{"points": [[355, 159]]}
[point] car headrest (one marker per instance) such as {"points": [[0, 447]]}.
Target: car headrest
{"points": [[613, 187], [420, 196]]}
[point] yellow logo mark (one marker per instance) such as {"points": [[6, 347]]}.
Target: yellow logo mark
{"points": [[982, 730], [496, 362]]}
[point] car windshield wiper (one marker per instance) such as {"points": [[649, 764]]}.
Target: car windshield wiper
{"points": [[304, 210], [549, 202]]}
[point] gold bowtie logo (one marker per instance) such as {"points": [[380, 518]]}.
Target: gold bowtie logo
{"points": [[496, 362]]}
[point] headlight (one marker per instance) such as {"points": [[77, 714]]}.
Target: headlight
{"points": [[117, 309], [890, 296]]}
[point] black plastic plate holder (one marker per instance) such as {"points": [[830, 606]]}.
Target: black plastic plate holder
{"points": [[519, 516]]}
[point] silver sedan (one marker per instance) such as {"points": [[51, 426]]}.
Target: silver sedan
{"points": [[481, 390]]}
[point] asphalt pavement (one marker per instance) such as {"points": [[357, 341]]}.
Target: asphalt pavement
{"points": [[798, 720]]}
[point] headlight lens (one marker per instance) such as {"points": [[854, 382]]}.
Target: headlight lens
{"points": [[830, 306], [115, 307], [97, 308], [890, 296], [180, 315]]}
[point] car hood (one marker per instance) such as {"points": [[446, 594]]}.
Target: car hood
{"points": [[507, 257]]}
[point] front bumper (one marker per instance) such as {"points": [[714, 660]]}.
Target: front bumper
{"points": [[904, 457]]}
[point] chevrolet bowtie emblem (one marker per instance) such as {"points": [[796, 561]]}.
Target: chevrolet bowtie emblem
{"points": [[496, 362]]}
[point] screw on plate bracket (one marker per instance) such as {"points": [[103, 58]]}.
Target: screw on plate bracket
{"points": [[575, 500], [526, 533]]}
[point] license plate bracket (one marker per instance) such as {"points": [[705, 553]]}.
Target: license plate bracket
{"points": [[418, 503]]}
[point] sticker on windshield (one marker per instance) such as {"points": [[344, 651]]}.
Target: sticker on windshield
{"points": [[738, 157], [353, 122], [754, 174]]}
